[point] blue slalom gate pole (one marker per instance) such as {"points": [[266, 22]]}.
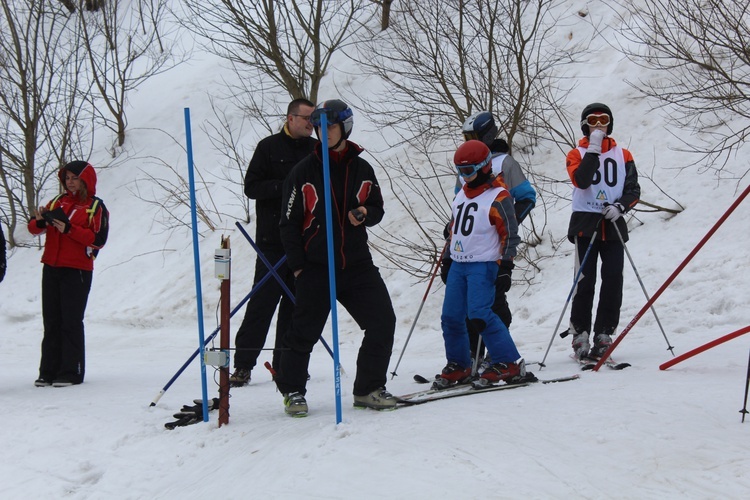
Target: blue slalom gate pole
{"points": [[275, 275], [215, 332], [196, 261], [331, 261]]}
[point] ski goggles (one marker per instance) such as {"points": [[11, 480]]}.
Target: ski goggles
{"points": [[596, 120], [332, 116], [468, 136], [468, 170]]}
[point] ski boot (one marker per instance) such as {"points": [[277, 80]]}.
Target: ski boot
{"points": [[452, 374]]}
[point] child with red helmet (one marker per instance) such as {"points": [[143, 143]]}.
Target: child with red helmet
{"points": [[483, 238]]}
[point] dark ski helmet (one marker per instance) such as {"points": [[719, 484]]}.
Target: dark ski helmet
{"points": [[593, 108], [336, 111], [480, 126], [472, 156]]}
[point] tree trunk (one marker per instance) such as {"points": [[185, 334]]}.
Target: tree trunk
{"points": [[386, 19]]}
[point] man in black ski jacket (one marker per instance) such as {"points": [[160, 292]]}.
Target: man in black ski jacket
{"points": [[272, 161], [357, 203]]}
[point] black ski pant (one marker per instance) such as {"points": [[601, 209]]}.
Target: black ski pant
{"points": [[253, 331], [501, 308], [65, 292], [363, 294], [610, 291]]}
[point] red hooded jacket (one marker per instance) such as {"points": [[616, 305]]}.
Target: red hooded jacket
{"points": [[89, 223]]}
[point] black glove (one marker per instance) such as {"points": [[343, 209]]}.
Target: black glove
{"points": [[445, 267], [503, 281], [189, 415]]}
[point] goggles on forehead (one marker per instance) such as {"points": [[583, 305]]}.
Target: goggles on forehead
{"points": [[468, 136], [469, 170], [596, 119], [332, 116]]}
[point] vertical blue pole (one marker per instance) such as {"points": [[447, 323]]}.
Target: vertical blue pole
{"points": [[331, 262], [196, 261]]}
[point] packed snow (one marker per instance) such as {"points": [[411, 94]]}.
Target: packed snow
{"points": [[636, 433]]}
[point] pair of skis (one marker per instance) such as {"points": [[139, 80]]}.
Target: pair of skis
{"points": [[588, 363], [455, 391]]}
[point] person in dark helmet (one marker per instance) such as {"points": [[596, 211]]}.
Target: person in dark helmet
{"points": [[482, 126], [605, 186], [483, 239], [273, 159], [357, 203], [76, 226]]}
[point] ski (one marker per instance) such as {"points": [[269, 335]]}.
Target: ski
{"points": [[421, 397], [589, 363]]}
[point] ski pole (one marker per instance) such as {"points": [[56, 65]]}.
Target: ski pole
{"points": [[570, 294], [278, 278], [670, 348], [215, 332], [671, 278], [475, 366], [747, 384], [421, 305]]}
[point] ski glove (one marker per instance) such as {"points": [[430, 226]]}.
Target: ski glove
{"points": [[613, 212], [595, 141], [503, 281], [190, 415], [445, 267]]}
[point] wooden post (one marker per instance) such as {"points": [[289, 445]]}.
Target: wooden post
{"points": [[224, 341]]}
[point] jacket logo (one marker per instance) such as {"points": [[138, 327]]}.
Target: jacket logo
{"points": [[310, 201]]}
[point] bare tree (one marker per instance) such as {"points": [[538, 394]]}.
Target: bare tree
{"points": [[442, 60], [43, 120], [125, 47], [700, 50], [276, 46]]}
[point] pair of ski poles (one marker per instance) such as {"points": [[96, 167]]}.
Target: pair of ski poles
{"points": [[578, 276]]}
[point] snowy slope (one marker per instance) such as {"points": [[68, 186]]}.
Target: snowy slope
{"points": [[641, 432]]}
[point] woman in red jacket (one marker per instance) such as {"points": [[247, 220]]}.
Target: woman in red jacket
{"points": [[76, 226]]}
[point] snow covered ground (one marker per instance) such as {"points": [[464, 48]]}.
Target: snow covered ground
{"points": [[637, 433]]}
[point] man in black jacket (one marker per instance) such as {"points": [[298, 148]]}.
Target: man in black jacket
{"points": [[357, 203], [272, 161]]}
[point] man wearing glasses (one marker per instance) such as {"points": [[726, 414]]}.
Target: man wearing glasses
{"points": [[272, 161], [605, 186]]}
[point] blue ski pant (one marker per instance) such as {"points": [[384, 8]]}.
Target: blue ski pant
{"points": [[470, 293]]}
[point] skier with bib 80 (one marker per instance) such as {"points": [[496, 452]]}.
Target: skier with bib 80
{"points": [[605, 186], [483, 239]]}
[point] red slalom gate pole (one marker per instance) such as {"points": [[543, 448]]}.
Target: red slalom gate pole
{"points": [[704, 347], [671, 278]]}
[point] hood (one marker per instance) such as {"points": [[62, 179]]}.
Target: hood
{"points": [[84, 171]]}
